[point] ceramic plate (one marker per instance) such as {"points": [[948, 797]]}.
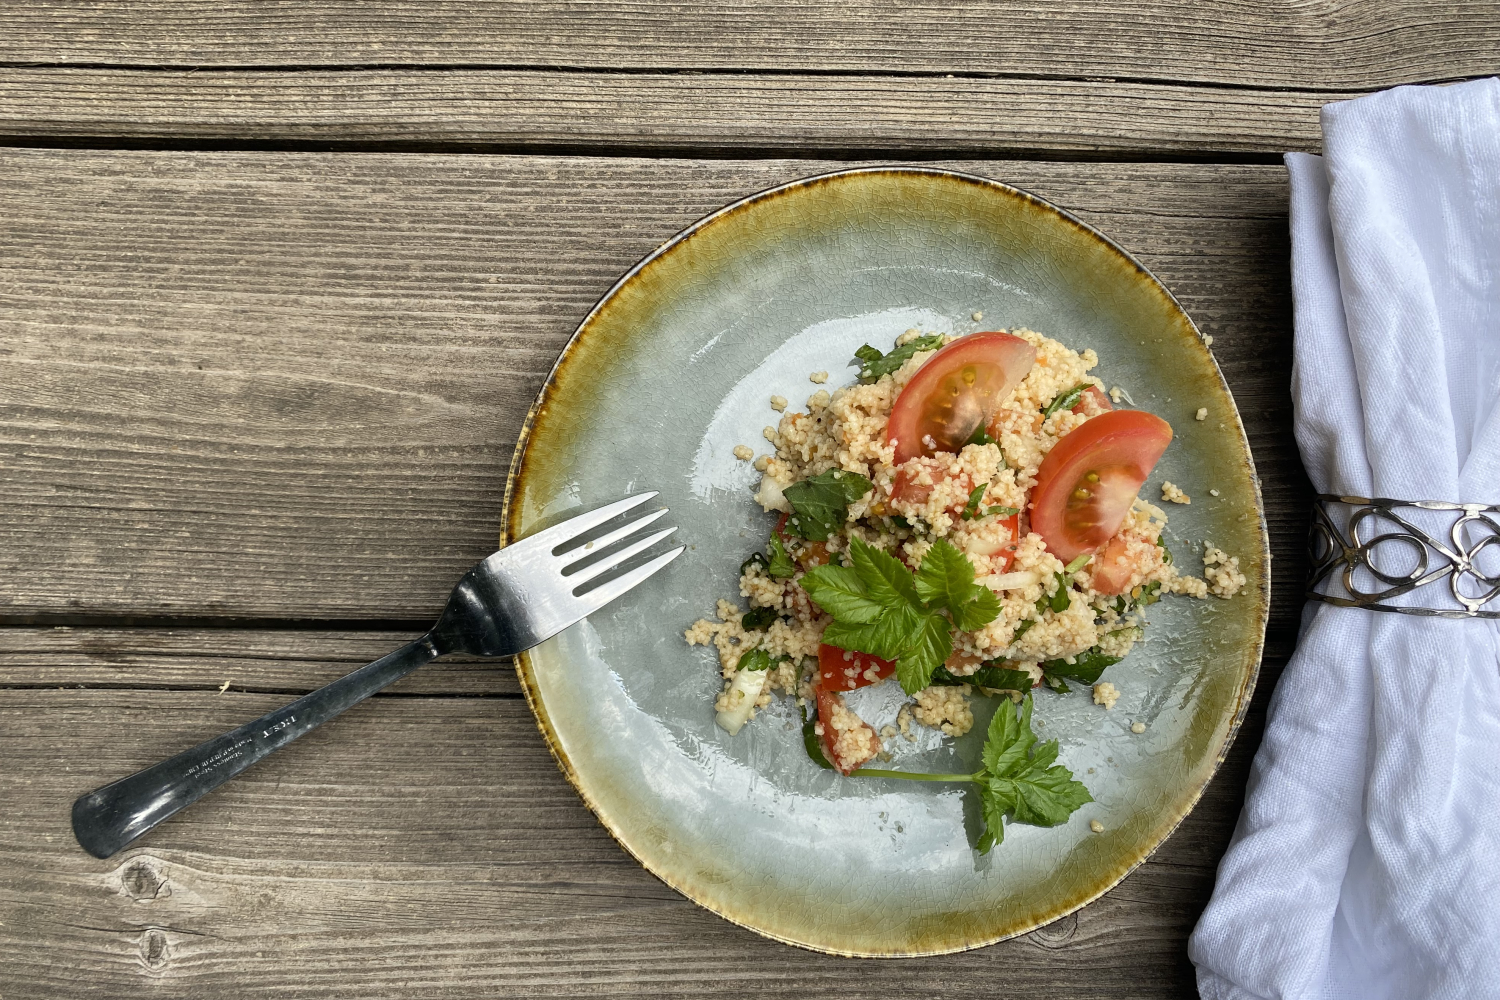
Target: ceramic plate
{"points": [[672, 369]]}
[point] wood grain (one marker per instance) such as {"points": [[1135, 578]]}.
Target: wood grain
{"points": [[290, 661], [694, 113], [1310, 44], [429, 847], [287, 385]]}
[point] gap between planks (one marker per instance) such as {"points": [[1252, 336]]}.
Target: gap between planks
{"points": [[272, 386], [678, 114], [1323, 44]]}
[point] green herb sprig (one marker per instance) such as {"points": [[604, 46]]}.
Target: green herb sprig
{"points": [[1021, 778], [873, 364], [879, 607], [820, 505]]}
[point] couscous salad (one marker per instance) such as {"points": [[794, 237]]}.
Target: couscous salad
{"points": [[964, 521]]}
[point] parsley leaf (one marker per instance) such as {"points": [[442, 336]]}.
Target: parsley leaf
{"points": [[980, 437], [873, 364], [841, 591], [889, 580], [756, 659], [990, 676], [811, 741], [1002, 511], [1166, 553], [756, 559], [933, 644], [1059, 601], [1086, 666], [758, 619], [820, 505], [878, 607], [946, 577], [781, 565], [1066, 400], [1020, 779]]}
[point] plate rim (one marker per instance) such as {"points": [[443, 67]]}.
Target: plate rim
{"points": [[509, 532]]}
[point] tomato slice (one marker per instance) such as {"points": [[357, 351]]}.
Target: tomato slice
{"points": [[1086, 482], [955, 392], [828, 702], [907, 490], [1098, 396], [843, 670], [1007, 552], [1111, 572]]}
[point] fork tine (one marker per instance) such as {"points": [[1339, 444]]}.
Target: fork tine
{"points": [[614, 559], [604, 541], [603, 594], [556, 535]]}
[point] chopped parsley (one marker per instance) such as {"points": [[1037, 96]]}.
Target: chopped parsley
{"points": [[820, 505], [873, 364], [1086, 666], [980, 437], [1066, 400], [758, 619], [989, 675], [781, 565], [756, 659]]}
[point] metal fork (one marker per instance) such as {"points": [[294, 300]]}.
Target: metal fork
{"points": [[523, 594]]}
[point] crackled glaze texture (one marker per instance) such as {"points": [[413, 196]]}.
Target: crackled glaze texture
{"points": [[675, 367]]}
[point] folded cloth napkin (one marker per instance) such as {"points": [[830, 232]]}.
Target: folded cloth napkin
{"points": [[1366, 862]]}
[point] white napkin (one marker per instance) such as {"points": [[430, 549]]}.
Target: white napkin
{"points": [[1366, 863]]}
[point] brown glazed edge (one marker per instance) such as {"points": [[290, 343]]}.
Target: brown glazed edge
{"points": [[509, 532]]}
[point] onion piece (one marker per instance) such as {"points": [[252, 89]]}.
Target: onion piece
{"points": [[1013, 581], [743, 692]]}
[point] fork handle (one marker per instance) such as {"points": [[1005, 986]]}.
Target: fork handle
{"points": [[108, 818]]}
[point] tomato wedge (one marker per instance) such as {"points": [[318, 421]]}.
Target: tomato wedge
{"points": [[1111, 571], [905, 489], [828, 703], [955, 392], [843, 670], [1097, 395], [1086, 483], [1005, 552]]}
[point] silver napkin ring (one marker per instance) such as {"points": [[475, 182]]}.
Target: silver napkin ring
{"points": [[1355, 543]]}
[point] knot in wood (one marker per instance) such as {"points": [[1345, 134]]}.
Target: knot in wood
{"points": [[154, 948], [143, 882], [1058, 933]]}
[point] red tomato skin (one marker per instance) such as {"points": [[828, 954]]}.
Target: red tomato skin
{"points": [[1098, 397], [1111, 572], [827, 702], [1007, 555], [999, 361], [1122, 447], [833, 669], [907, 491]]}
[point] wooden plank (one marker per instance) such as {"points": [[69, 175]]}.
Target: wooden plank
{"points": [[292, 661], [1323, 44], [658, 112], [287, 385], [426, 846]]}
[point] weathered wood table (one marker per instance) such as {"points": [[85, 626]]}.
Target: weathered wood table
{"points": [[277, 284]]}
